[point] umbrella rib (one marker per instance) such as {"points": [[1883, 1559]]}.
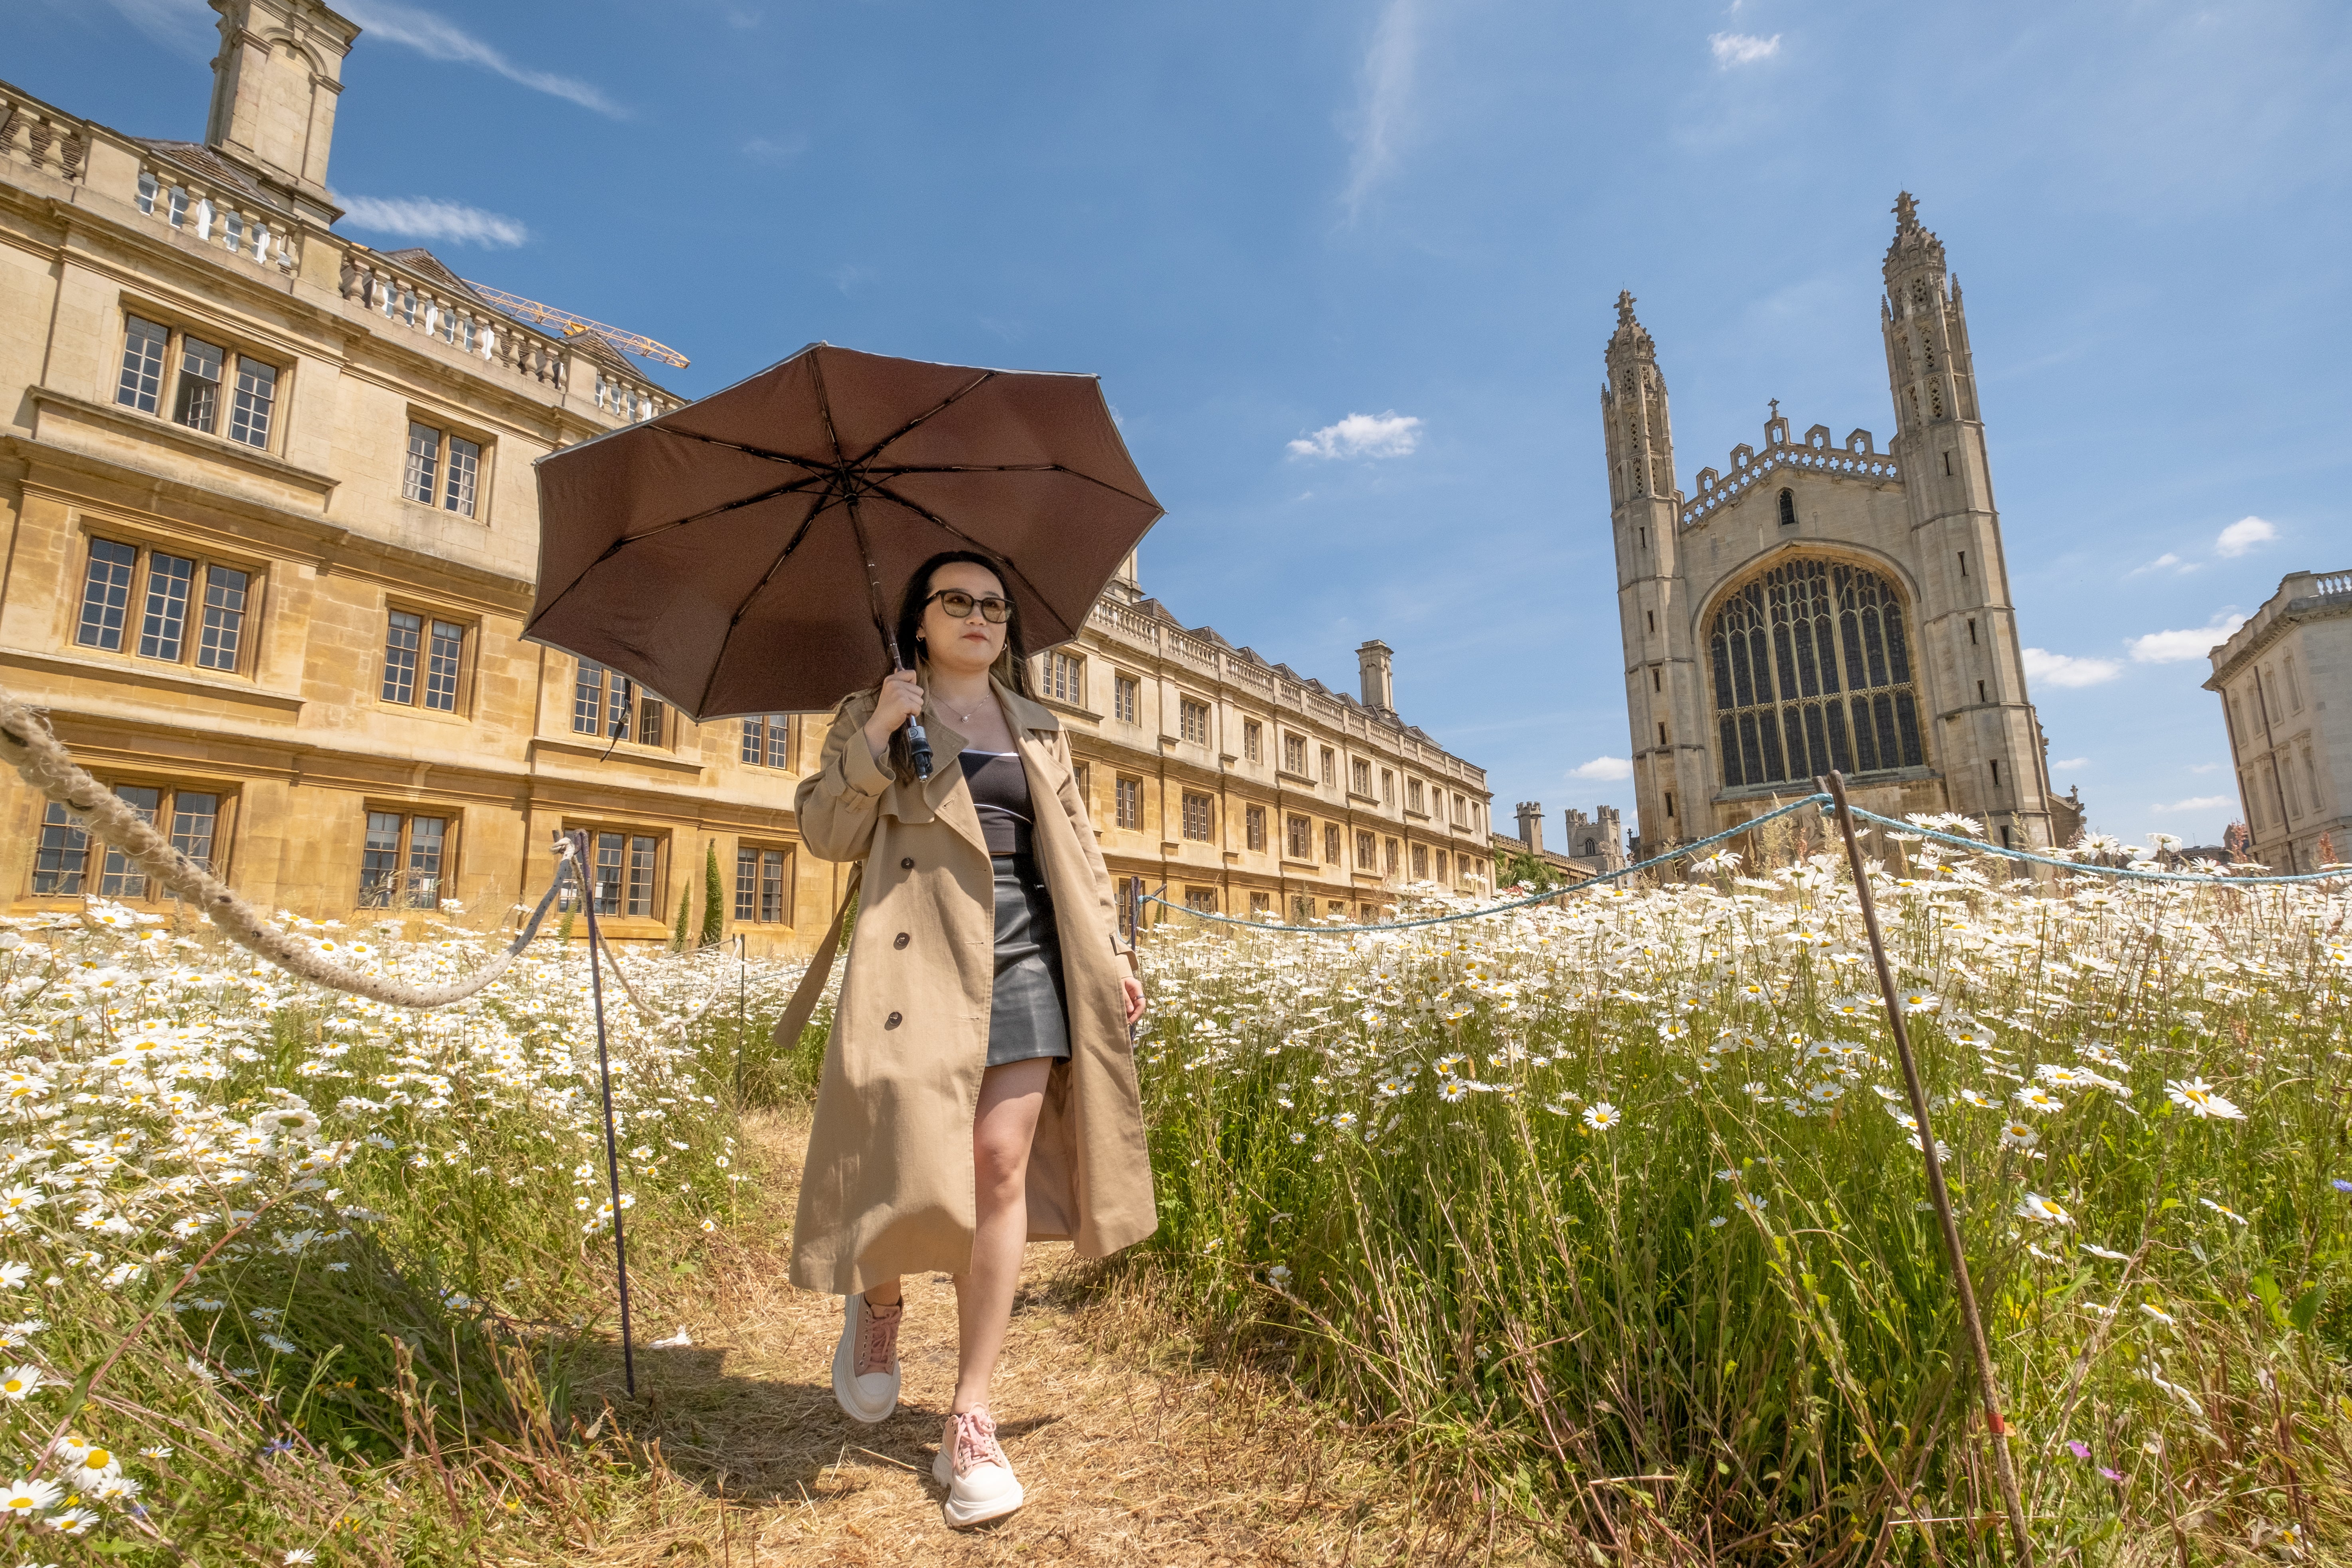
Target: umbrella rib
{"points": [[719, 660], [982, 379], [746, 449], [1014, 469], [615, 548], [940, 522]]}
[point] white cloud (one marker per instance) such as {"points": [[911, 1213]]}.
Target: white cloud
{"points": [[2195, 803], [1602, 768], [438, 38], [2204, 767], [1389, 435], [2172, 647], [428, 218], [775, 149], [2167, 562], [1732, 50], [1389, 63], [2069, 764], [2065, 670], [2243, 536]]}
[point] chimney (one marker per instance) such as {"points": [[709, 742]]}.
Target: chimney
{"points": [[1378, 688], [1531, 825], [275, 83]]}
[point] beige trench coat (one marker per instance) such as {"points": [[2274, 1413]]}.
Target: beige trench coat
{"points": [[888, 1186]]}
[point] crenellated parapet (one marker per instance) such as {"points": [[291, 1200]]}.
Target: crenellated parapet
{"points": [[1857, 460]]}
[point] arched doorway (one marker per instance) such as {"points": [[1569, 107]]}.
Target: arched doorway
{"points": [[1812, 671]]}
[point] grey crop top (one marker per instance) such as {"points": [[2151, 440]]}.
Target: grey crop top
{"points": [[1000, 793]]}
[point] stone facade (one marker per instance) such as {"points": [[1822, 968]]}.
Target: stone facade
{"points": [[271, 531], [2285, 683], [1820, 604], [1243, 787]]}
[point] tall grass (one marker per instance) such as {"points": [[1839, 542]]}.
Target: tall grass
{"points": [[1613, 1208], [295, 1272]]}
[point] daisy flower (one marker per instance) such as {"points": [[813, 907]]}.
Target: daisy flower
{"points": [[2018, 1135], [1600, 1116], [19, 1381], [2042, 1211], [26, 1496], [1979, 1098], [1452, 1089], [2034, 1098], [2197, 1097], [2109, 1252], [1749, 1204]]}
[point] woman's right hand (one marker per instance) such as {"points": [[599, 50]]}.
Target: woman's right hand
{"points": [[901, 700]]}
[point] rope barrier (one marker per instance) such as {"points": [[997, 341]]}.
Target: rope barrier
{"points": [[33, 748], [1975, 846]]}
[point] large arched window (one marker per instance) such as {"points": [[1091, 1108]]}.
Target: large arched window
{"points": [[1813, 672]]}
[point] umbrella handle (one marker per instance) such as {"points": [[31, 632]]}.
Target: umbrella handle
{"points": [[920, 745]]}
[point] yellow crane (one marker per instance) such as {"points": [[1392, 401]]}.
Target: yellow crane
{"points": [[571, 326]]}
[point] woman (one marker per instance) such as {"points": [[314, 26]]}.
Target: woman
{"points": [[978, 1091]]}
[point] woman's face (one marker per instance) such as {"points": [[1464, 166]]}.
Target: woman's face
{"points": [[966, 644]]}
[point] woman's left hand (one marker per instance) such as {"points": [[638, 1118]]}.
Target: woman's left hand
{"points": [[1134, 990]]}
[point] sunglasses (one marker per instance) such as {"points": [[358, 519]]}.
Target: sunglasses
{"points": [[960, 605]]}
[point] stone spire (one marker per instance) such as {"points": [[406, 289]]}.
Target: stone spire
{"points": [[1928, 367], [1631, 342], [1634, 404]]}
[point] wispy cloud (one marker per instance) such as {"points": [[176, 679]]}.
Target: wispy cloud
{"points": [[1732, 51], [183, 25], [437, 39], [2065, 670], [2173, 648], [1388, 76], [1602, 768], [2069, 764], [2168, 562], [428, 217], [1389, 435], [775, 149], [2194, 803], [2243, 536]]}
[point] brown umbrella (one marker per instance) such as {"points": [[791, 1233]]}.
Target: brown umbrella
{"points": [[734, 556]]}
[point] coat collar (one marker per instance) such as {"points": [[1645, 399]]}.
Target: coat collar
{"points": [[949, 801]]}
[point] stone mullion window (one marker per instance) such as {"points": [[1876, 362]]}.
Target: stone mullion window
{"points": [[1812, 671], [61, 854]]}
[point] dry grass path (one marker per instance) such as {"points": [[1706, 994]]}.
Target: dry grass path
{"points": [[1132, 1449]]}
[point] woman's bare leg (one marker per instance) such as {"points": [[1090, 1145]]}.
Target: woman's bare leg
{"points": [[1010, 1099], [883, 1293]]}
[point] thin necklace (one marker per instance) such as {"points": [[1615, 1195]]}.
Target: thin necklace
{"points": [[966, 717]]}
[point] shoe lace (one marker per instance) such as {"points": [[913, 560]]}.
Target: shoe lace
{"points": [[975, 1441], [878, 1345]]}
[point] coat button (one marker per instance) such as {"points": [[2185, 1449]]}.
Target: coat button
{"points": [[908, 864], [901, 939], [893, 1021]]}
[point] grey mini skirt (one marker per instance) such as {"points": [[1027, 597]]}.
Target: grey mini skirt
{"points": [[1027, 1016]]}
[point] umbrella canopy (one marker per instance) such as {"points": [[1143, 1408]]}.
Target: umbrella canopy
{"points": [[740, 555]]}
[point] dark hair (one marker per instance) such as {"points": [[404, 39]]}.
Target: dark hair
{"points": [[1011, 665]]}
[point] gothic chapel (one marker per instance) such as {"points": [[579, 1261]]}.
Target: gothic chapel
{"points": [[1819, 603]]}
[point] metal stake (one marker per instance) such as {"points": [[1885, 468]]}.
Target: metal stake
{"points": [[1938, 1194], [604, 1078]]}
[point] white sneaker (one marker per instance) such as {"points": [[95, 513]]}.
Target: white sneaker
{"points": [[866, 1361], [979, 1482]]}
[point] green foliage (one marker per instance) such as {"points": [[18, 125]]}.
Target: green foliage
{"points": [[1523, 865], [1625, 1189], [685, 903], [714, 906]]}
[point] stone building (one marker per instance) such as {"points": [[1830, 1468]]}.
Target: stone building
{"points": [[1819, 603], [1587, 846], [2285, 683], [272, 527], [1245, 787]]}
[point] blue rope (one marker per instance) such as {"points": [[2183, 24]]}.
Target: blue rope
{"points": [[1496, 909], [1979, 847], [1976, 845]]}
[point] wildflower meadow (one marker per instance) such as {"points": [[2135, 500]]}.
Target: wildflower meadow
{"points": [[1606, 1213], [1615, 1206]]}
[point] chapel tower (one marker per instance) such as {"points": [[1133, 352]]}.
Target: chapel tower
{"points": [[1819, 602], [1984, 727], [1661, 667]]}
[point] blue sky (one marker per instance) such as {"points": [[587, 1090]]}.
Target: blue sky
{"points": [[1347, 269]]}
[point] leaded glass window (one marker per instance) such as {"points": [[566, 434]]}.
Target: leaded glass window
{"points": [[1812, 671]]}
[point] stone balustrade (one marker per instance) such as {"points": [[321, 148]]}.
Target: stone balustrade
{"points": [[219, 214], [1854, 460], [1125, 624], [31, 132]]}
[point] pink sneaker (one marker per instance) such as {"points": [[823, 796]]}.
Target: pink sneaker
{"points": [[866, 1360], [980, 1481]]}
